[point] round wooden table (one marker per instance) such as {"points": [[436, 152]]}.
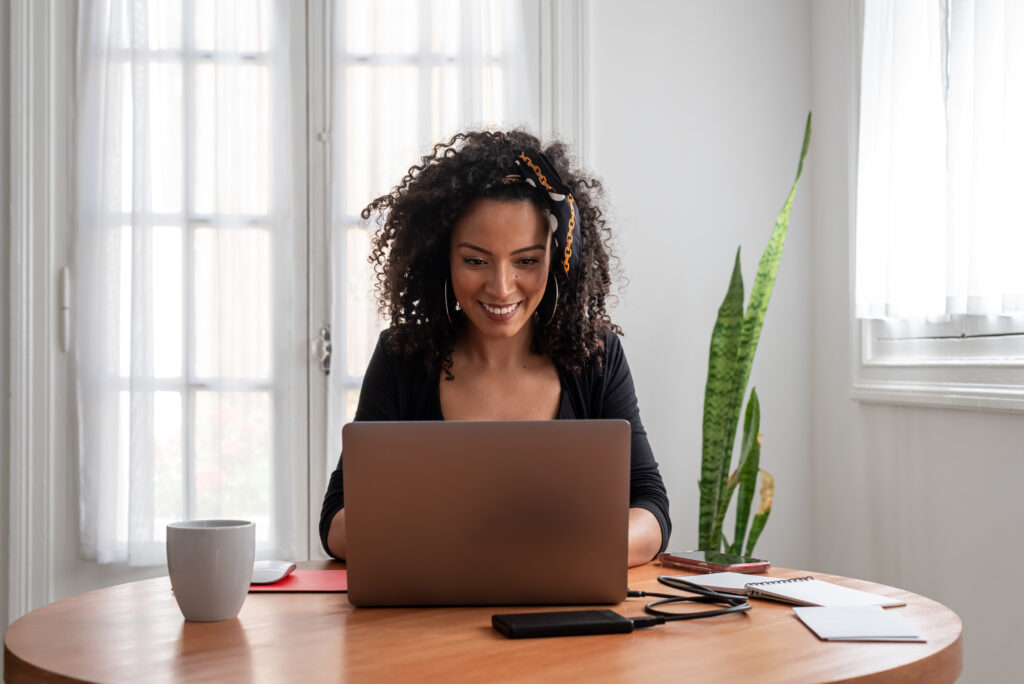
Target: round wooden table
{"points": [[134, 632]]}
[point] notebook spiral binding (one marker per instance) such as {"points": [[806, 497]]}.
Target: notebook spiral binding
{"points": [[780, 581]]}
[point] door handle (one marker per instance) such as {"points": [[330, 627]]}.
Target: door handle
{"points": [[321, 349]]}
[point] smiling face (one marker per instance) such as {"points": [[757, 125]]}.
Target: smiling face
{"points": [[500, 254]]}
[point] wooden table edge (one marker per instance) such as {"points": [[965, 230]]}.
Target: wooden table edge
{"points": [[943, 665], [17, 670]]}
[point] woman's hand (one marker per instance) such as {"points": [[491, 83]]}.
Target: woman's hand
{"points": [[644, 536]]}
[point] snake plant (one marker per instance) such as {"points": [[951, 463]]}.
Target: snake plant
{"points": [[733, 343]]}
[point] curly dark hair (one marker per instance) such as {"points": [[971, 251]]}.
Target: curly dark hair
{"points": [[411, 249]]}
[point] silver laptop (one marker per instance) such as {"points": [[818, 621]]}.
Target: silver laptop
{"points": [[486, 513]]}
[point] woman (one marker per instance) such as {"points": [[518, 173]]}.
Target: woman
{"points": [[493, 269]]}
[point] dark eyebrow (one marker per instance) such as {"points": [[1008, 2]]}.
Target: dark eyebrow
{"points": [[470, 245], [529, 249]]}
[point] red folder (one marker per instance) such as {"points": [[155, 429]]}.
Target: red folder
{"points": [[308, 580]]}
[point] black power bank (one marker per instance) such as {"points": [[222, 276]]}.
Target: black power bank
{"points": [[561, 623]]}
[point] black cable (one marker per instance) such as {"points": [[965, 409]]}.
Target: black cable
{"points": [[734, 602], [579, 622]]}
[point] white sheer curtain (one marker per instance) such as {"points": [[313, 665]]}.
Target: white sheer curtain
{"points": [[939, 227], [407, 74], [986, 156], [182, 241]]}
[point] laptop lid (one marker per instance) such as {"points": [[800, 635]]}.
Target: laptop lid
{"points": [[486, 513]]}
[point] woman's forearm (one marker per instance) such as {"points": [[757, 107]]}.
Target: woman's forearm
{"points": [[336, 535], [644, 536]]}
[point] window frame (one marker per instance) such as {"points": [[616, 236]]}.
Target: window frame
{"points": [[189, 382], [41, 96]]}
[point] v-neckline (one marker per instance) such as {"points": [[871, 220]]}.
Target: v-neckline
{"points": [[563, 397]]}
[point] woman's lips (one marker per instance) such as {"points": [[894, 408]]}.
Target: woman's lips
{"points": [[500, 313]]}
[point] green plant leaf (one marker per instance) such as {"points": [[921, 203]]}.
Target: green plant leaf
{"points": [[729, 365], [719, 393], [757, 526], [747, 469], [751, 424], [767, 270]]}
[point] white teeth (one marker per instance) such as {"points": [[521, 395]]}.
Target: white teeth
{"points": [[499, 310]]}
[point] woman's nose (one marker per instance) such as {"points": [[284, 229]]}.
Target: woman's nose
{"points": [[503, 281]]}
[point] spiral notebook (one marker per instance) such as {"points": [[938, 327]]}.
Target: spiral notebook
{"points": [[801, 591]]}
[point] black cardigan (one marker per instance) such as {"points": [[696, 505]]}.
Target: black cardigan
{"points": [[398, 388]]}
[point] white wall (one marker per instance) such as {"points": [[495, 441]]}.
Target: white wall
{"points": [[696, 118], [5, 231], [924, 499]]}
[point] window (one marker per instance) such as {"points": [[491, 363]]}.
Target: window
{"points": [[194, 260], [189, 260], [406, 75], [939, 297]]}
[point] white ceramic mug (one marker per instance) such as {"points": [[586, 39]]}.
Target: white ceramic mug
{"points": [[210, 564]]}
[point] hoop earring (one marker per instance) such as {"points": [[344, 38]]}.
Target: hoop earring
{"points": [[554, 307], [447, 311]]}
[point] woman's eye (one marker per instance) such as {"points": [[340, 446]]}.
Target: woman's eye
{"points": [[474, 261], [529, 261]]}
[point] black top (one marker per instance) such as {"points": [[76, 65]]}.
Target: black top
{"points": [[399, 388]]}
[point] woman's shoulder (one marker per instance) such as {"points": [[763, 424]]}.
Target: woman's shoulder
{"points": [[603, 377], [395, 386], [611, 341], [403, 342], [387, 353], [610, 354], [612, 345]]}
